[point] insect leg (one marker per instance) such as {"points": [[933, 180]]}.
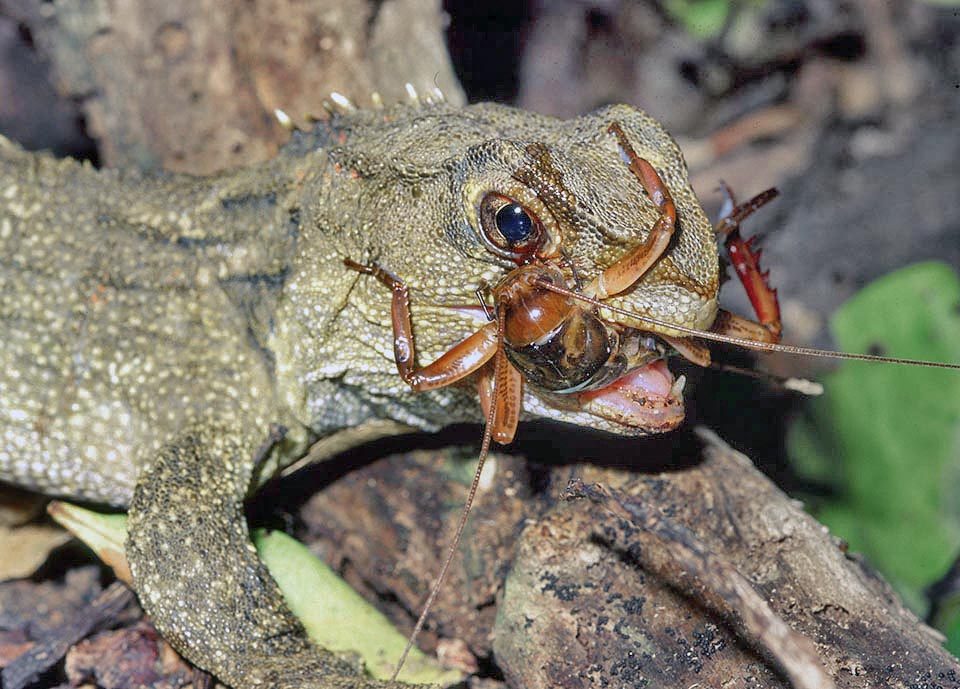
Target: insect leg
{"points": [[731, 324], [688, 349], [746, 262], [458, 362], [622, 274], [506, 395]]}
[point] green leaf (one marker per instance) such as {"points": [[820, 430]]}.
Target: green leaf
{"points": [[952, 629], [334, 615], [888, 436], [105, 534], [337, 617], [701, 18], [946, 616]]}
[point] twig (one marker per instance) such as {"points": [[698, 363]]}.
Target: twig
{"points": [[24, 670]]}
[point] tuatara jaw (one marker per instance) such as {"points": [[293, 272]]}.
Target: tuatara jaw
{"points": [[647, 398]]}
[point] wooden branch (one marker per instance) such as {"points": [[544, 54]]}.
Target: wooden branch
{"points": [[676, 555], [569, 594]]}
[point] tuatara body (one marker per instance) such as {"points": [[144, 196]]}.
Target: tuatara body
{"points": [[156, 327]]}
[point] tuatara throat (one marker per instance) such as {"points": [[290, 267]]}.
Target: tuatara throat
{"points": [[155, 327]]}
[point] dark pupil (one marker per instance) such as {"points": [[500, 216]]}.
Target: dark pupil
{"points": [[514, 223]]}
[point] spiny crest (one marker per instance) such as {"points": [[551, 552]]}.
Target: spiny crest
{"points": [[338, 105]]}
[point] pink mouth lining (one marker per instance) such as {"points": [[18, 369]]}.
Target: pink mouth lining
{"points": [[643, 398]]}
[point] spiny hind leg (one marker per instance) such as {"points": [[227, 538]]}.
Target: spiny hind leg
{"points": [[746, 263]]}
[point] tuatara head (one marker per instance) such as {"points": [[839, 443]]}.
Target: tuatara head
{"points": [[439, 196]]}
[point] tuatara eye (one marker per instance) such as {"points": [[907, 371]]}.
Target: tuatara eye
{"points": [[514, 223], [510, 228]]}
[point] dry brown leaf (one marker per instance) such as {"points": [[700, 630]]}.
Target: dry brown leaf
{"points": [[26, 547]]}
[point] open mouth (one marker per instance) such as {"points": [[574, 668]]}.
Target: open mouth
{"points": [[647, 398]]}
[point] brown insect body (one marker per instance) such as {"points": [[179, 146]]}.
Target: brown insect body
{"points": [[555, 343]]}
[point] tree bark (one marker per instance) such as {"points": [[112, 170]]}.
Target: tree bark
{"points": [[192, 86]]}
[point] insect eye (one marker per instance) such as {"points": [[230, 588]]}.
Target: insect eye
{"points": [[511, 229]]}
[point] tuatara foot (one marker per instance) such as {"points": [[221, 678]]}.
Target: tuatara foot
{"points": [[199, 577]]}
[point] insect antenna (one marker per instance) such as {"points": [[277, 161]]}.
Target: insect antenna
{"points": [[499, 361], [804, 386], [743, 342]]}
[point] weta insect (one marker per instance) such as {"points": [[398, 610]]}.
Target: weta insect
{"points": [[544, 332]]}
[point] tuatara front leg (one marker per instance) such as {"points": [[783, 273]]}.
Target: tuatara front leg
{"points": [[199, 577]]}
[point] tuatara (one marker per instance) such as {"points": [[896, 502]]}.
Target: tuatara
{"points": [[156, 327]]}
